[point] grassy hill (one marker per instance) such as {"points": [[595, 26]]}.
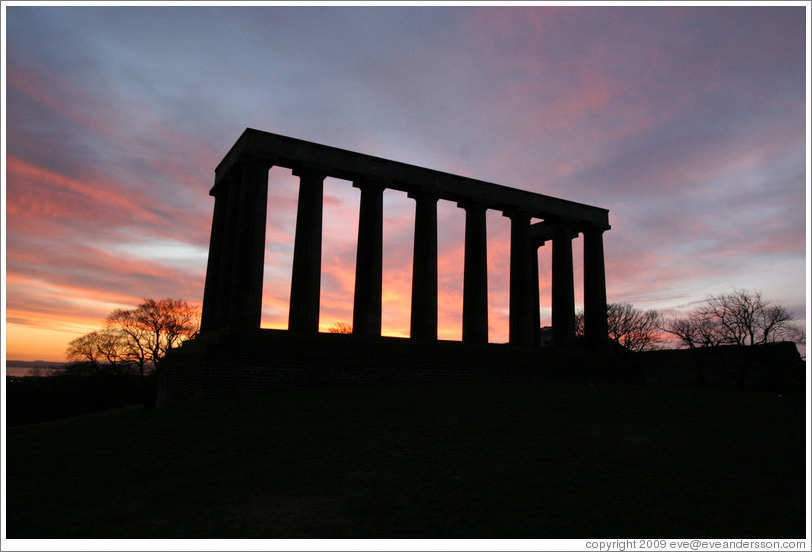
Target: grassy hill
{"points": [[470, 460]]}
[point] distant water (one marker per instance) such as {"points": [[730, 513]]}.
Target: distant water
{"points": [[19, 370], [15, 371]]}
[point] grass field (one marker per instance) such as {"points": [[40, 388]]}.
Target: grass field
{"points": [[421, 461]]}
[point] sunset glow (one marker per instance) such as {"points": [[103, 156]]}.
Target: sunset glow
{"points": [[687, 123]]}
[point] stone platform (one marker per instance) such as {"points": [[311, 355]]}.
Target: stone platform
{"points": [[231, 363]]}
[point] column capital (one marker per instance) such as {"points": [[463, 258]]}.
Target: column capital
{"points": [[563, 227], [307, 171], [423, 195], [540, 233], [364, 184], [234, 172], [472, 205], [586, 227], [516, 214]]}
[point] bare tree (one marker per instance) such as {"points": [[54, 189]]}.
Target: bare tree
{"points": [[775, 325], [741, 317], [633, 328], [340, 328], [134, 345], [152, 328], [100, 350], [135, 338], [694, 331], [84, 349], [628, 326]]}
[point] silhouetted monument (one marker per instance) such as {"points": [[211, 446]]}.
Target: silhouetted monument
{"points": [[232, 350]]}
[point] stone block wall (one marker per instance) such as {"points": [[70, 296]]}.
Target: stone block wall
{"points": [[771, 366], [236, 363]]}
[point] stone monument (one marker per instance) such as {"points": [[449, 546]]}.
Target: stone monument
{"points": [[233, 355]]}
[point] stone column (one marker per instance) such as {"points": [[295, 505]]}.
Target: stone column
{"points": [[536, 294], [563, 287], [249, 247], [521, 280], [475, 279], [228, 258], [305, 284], [233, 293], [595, 323], [540, 233], [366, 314], [424, 270], [212, 292]]}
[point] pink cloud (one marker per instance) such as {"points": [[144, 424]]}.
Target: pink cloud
{"points": [[41, 201], [38, 83], [36, 192]]}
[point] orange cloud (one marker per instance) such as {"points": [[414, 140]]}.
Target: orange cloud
{"points": [[37, 195]]}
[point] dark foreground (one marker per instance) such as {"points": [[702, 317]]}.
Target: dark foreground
{"points": [[470, 460]]}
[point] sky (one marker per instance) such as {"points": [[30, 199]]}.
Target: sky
{"points": [[688, 123]]}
